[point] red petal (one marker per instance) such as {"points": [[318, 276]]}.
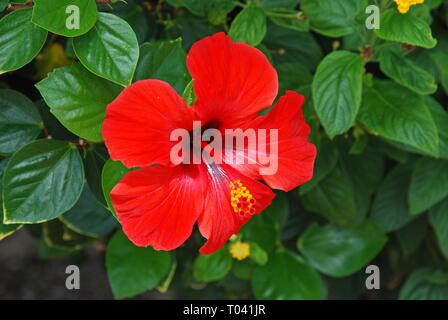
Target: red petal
{"points": [[219, 221], [296, 155], [158, 206], [140, 120], [232, 81]]}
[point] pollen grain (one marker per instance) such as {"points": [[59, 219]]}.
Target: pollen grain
{"points": [[241, 199]]}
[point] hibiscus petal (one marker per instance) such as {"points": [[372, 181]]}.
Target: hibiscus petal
{"points": [[296, 155], [232, 81], [158, 206], [140, 120], [220, 220]]}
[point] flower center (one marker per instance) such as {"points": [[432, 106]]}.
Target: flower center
{"points": [[241, 199]]}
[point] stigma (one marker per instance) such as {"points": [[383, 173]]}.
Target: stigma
{"points": [[241, 199]]}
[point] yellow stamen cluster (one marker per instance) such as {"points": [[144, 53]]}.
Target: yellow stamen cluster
{"points": [[240, 250], [405, 5], [241, 199]]}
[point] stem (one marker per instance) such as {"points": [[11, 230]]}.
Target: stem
{"points": [[297, 15]]}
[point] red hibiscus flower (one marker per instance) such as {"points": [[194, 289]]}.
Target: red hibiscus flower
{"points": [[159, 203]]}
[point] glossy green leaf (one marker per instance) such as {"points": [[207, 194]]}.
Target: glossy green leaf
{"points": [[20, 40], [405, 72], [429, 184], [326, 160], [68, 18], [164, 61], [425, 284], [42, 180], [337, 89], [400, 115], [94, 158], [340, 252], [133, 270], [333, 18], [212, 267], [109, 50], [405, 28], [113, 172], [333, 198], [5, 229], [78, 99], [438, 217], [3, 4], [249, 26], [89, 217], [287, 277], [20, 122], [440, 117], [390, 209]]}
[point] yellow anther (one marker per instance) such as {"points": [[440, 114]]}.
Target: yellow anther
{"points": [[404, 5], [241, 199], [240, 250]]}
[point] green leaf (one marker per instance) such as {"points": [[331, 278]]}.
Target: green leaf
{"points": [[188, 94], [60, 17], [287, 277], [3, 4], [94, 158], [276, 4], [5, 229], [215, 11], [333, 18], [289, 19], [109, 50], [440, 117], [164, 61], [326, 160], [337, 90], [303, 50], [429, 184], [133, 270], [20, 122], [333, 198], [340, 252], [405, 72], [89, 217], [78, 99], [41, 181], [293, 76], [405, 28], [134, 14], [390, 208], [438, 217], [213, 267], [58, 236], [249, 26], [113, 172], [20, 40], [426, 284], [365, 172], [400, 115], [257, 254]]}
